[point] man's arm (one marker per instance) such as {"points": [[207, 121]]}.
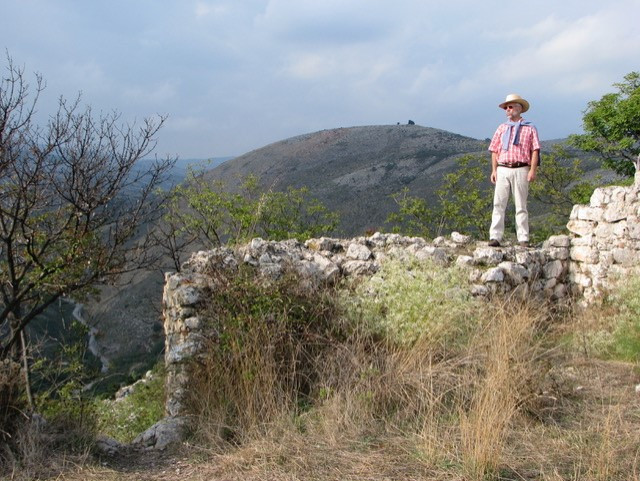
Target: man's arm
{"points": [[535, 158], [494, 167]]}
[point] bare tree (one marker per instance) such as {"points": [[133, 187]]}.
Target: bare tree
{"points": [[74, 202]]}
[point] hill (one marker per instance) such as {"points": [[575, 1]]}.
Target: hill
{"points": [[354, 171]]}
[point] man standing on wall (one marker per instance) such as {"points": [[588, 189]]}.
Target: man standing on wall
{"points": [[515, 154]]}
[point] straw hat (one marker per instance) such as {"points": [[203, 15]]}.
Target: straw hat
{"points": [[515, 99]]}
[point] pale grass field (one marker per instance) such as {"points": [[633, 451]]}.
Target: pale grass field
{"points": [[507, 389], [518, 403]]}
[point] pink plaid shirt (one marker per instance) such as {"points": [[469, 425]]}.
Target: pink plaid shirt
{"points": [[517, 153]]}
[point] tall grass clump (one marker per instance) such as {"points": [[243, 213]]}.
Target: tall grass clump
{"points": [[261, 363], [505, 352]]}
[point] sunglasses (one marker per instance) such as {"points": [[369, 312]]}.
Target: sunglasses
{"points": [[510, 107]]}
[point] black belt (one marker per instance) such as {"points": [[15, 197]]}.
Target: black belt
{"points": [[515, 165]]}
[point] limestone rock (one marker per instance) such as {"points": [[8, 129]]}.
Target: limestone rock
{"points": [[553, 270], [516, 273], [359, 252], [495, 274], [437, 254], [458, 238], [166, 432], [581, 227], [488, 256], [585, 254], [107, 446], [557, 241]]}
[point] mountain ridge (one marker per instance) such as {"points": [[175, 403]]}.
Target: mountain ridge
{"points": [[355, 170]]}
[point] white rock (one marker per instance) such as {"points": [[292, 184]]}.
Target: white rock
{"points": [[438, 254], [488, 255], [258, 243], [514, 272], [581, 227], [460, 238], [166, 432], [438, 241], [559, 253], [557, 241], [356, 267], [187, 295], [587, 240], [553, 269], [584, 212], [599, 198], [322, 244], [265, 259], [584, 254], [359, 252], [626, 257], [330, 271], [615, 212], [495, 274], [464, 261]]}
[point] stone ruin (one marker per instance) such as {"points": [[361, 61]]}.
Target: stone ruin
{"points": [[603, 246]]}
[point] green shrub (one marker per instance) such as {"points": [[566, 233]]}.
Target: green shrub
{"points": [[411, 300], [612, 331], [59, 381], [125, 418], [626, 333]]}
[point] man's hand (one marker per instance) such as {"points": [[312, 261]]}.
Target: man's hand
{"points": [[531, 176], [494, 176]]}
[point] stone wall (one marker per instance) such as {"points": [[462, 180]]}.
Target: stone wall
{"points": [[538, 272], [604, 246], [606, 242]]}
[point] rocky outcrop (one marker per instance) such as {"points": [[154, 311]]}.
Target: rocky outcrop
{"points": [[606, 242]]}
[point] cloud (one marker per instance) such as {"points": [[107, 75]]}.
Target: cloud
{"points": [[324, 23], [570, 54], [233, 74], [151, 95], [206, 9]]}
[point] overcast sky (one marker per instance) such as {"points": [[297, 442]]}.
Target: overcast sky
{"points": [[235, 75]]}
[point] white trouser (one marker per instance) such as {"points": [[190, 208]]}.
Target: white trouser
{"points": [[510, 181]]}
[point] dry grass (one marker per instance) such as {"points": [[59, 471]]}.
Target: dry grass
{"points": [[509, 344], [511, 400]]}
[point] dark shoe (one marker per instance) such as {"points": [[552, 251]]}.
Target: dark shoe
{"points": [[523, 243], [494, 243]]}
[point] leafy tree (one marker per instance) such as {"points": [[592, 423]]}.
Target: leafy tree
{"points": [[73, 200], [559, 185], [464, 203], [200, 212], [466, 198], [414, 216], [612, 127]]}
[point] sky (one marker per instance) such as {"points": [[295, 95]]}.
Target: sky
{"points": [[235, 75]]}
